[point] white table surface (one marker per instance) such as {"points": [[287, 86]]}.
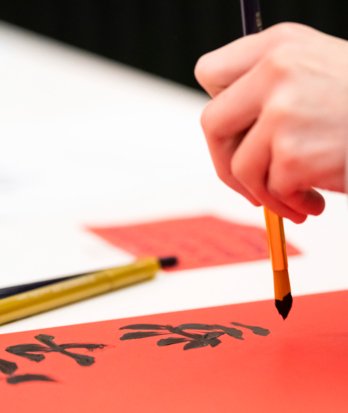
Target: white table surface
{"points": [[87, 141]]}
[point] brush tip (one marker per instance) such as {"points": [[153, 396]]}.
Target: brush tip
{"points": [[284, 306], [166, 262]]}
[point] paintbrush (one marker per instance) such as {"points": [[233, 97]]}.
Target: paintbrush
{"points": [[252, 23], [78, 288]]}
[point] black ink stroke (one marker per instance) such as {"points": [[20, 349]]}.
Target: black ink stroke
{"points": [[260, 331], [35, 352], [25, 378], [7, 367], [195, 335]]}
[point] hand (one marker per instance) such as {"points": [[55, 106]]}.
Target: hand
{"points": [[277, 124]]}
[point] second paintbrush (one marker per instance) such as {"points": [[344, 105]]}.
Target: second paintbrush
{"points": [[79, 288]]}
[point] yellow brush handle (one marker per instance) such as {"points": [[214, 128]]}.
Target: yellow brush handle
{"points": [[66, 292]]}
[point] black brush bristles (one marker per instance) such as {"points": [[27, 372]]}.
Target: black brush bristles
{"points": [[166, 262], [284, 306]]}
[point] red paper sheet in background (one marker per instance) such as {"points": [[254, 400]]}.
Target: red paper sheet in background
{"points": [[300, 366], [201, 241]]}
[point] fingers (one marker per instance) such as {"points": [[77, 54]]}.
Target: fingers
{"points": [[308, 202], [250, 165], [218, 69], [244, 78], [286, 181], [221, 152], [240, 134], [224, 121], [274, 180]]}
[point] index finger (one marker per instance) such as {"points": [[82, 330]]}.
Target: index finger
{"points": [[216, 70]]}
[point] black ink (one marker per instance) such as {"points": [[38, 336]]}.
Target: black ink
{"points": [[260, 331], [203, 335], [169, 341], [29, 351], [144, 327], [140, 334], [25, 378], [7, 367], [36, 352], [233, 332], [209, 339]]}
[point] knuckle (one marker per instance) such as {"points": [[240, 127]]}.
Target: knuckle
{"points": [[276, 188], [288, 30], [206, 118], [241, 171], [282, 106], [286, 154], [203, 70], [210, 123], [199, 69], [280, 60], [279, 184], [285, 168], [279, 112]]}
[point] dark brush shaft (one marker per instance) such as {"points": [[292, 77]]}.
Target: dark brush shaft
{"points": [[165, 262], [251, 16], [22, 288]]}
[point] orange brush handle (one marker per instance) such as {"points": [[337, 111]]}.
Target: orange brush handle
{"points": [[276, 240]]}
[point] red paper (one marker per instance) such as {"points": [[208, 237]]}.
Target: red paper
{"points": [[300, 366], [202, 241]]}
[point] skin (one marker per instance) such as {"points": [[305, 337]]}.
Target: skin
{"points": [[277, 123]]}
